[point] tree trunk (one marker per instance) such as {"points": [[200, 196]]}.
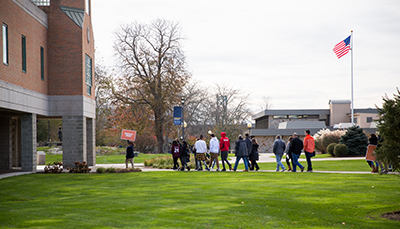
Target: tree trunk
{"points": [[159, 132]]}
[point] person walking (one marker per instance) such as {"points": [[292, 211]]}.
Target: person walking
{"points": [[176, 152], [296, 147], [184, 152], [201, 149], [214, 150], [373, 140], [289, 153], [249, 146], [309, 147], [224, 145], [241, 152], [254, 155], [278, 149], [129, 154]]}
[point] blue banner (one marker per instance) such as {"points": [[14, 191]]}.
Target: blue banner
{"points": [[177, 115]]}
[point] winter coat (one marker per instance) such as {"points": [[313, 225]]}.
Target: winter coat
{"points": [[254, 152], [279, 147], [130, 152], [224, 143], [241, 148], [296, 146], [309, 144], [248, 142], [184, 151]]}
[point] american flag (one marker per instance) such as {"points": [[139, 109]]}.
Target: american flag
{"points": [[342, 48]]}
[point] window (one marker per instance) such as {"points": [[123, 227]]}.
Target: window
{"points": [[87, 6], [42, 63], [280, 116], [5, 44], [355, 120], [369, 119], [23, 45], [88, 79]]}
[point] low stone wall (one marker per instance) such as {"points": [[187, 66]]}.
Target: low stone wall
{"points": [[266, 142]]}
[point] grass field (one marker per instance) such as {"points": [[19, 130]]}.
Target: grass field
{"points": [[199, 200]]}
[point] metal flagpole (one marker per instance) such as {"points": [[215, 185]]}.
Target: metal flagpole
{"points": [[352, 96]]}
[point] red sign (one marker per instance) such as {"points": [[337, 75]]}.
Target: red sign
{"points": [[128, 135], [371, 156]]}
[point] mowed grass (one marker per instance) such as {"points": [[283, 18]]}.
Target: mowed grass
{"points": [[107, 159], [199, 200]]}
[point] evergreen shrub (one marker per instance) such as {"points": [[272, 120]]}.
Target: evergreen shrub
{"points": [[356, 141], [341, 150], [331, 148]]}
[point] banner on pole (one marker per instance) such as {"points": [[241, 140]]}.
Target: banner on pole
{"points": [[128, 135], [177, 115]]}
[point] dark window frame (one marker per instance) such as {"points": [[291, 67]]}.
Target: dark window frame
{"points": [[42, 63], [23, 47], [88, 74]]}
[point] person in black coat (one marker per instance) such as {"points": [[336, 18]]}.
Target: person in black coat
{"points": [[296, 147], [254, 155], [183, 155], [129, 154]]}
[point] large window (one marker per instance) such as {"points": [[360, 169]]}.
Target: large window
{"points": [[42, 63], [369, 119], [88, 79], [23, 45], [5, 44], [87, 6]]}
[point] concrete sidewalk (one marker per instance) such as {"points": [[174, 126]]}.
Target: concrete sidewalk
{"points": [[263, 158]]}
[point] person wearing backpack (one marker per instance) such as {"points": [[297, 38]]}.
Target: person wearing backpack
{"points": [[241, 152]]}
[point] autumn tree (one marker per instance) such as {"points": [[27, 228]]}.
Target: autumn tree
{"points": [[154, 69]]}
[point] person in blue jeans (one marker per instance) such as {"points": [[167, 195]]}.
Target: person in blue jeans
{"points": [[241, 152], [296, 147], [278, 149]]}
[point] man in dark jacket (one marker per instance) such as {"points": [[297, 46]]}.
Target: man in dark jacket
{"points": [[249, 146], [296, 147], [129, 154], [241, 152]]}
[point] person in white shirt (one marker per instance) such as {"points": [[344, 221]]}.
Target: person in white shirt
{"points": [[201, 150], [214, 150]]}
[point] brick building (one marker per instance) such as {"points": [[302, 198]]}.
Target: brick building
{"points": [[47, 71]]}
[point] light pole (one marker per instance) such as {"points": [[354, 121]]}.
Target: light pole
{"points": [[183, 117], [249, 125]]}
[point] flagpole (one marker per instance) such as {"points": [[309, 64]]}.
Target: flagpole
{"points": [[352, 96]]}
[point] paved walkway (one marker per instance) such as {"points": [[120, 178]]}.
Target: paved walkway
{"points": [[263, 158]]}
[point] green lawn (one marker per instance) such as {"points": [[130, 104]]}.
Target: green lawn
{"points": [[199, 200]]}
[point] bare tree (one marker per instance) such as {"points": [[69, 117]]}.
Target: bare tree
{"points": [[154, 69], [266, 103]]}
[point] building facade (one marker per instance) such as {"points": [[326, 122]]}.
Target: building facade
{"points": [[270, 123], [47, 71]]}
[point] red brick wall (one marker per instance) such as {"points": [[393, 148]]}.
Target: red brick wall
{"points": [[20, 23]]}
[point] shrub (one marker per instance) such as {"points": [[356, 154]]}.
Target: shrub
{"points": [[55, 167], [330, 149], [101, 170], [80, 168], [111, 170], [341, 150], [356, 141], [145, 143], [325, 137]]}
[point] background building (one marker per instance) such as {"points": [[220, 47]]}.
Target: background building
{"points": [[269, 123], [47, 71]]}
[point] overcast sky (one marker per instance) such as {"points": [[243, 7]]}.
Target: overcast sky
{"points": [[276, 49]]}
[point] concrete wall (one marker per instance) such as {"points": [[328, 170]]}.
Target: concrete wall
{"points": [[28, 142]]}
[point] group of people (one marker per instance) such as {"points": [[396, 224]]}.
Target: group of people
{"points": [[292, 149]]}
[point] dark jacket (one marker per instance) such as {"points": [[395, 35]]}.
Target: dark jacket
{"points": [[254, 152], [296, 146], [184, 150], [248, 142], [279, 147], [241, 148], [129, 152], [373, 140]]}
